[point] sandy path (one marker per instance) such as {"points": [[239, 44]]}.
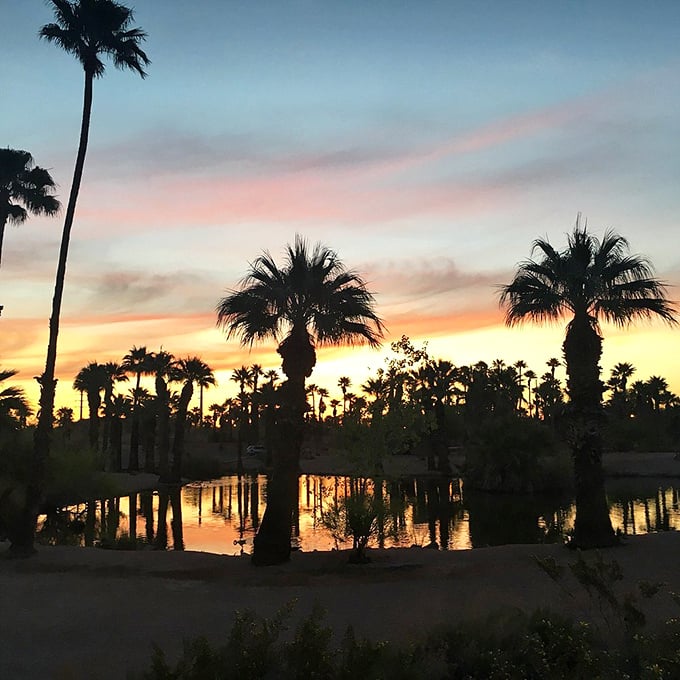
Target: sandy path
{"points": [[89, 613]]}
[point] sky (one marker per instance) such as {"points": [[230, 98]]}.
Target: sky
{"points": [[427, 143]]}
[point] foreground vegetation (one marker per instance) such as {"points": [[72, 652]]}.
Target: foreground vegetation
{"points": [[505, 646]]}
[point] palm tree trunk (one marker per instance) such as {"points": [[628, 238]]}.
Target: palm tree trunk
{"points": [[180, 429], [163, 427], [582, 350], [133, 462], [23, 542], [272, 542], [3, 222]]}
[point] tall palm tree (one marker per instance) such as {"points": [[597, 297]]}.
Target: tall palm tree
{"points": [[589, 280], [90, 30], [138, 362], [312, 300], [24, 188]]}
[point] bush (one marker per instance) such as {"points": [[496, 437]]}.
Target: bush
{"points": [[357, 517], [516, 455], [511, 645]]}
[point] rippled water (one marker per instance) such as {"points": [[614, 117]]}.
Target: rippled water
{"points": [[222, 516]]}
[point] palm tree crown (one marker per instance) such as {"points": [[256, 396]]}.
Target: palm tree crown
{"points": [[312, 298], [24, 188], [91, 29], [590, 278]]}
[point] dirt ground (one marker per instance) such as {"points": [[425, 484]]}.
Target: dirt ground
{"points": [[86, 613], [74, 613]]}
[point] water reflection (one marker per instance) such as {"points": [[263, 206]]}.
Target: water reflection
{"points": [[222, 516]]}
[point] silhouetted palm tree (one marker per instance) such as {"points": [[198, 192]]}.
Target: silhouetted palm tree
{"points": [[589, 280], [92, 380], [312, 300], [90, 30], [114, 373], [163, 366], [138, 362], [344, 383], [12, 401], [190, 370], [24, 188]]}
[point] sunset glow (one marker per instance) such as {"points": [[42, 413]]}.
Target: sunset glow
{"points": [[428, 148]]}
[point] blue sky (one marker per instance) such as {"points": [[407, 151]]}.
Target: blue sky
{"points": [[427, 142]]}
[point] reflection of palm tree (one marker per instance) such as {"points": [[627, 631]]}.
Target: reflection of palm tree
{"points": [[24, 188], [90, 30], [590, 279], [312, 300]]}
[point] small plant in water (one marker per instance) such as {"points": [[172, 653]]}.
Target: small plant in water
{"points": [[358, 516]]}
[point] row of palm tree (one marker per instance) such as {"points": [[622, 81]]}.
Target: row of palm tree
{"points": [[96, 380]]}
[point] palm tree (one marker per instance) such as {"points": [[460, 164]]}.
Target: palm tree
{"points": [[92, 380], [256, 373], [138, 362], [24, 188], [163, 366], [312, 300], [588, 281], [311, 391], [553, 363], [114, 373], [519, 366], [529, 375], [190, 370], [12, 401], [344, 383], [204, 381], [658, 391], [90, 30]]}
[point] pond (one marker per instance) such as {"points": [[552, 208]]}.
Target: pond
{"points": [[222, 516]]}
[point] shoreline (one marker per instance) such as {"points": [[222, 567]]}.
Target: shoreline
{"points": [[617, 465]]}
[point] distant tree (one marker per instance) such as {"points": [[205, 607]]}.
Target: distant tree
{"points": [[137, 361], [190, 371], [344, 383], [590, 279], [24, 189], [92, 380]]}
